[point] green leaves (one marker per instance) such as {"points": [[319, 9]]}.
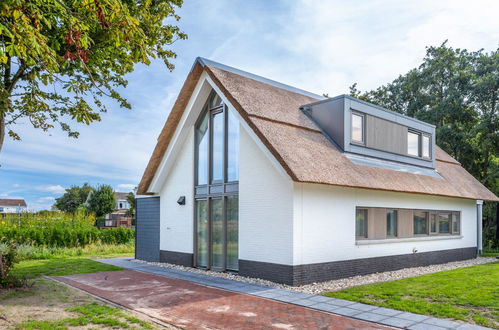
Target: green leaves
{"points": [[80, 50]]}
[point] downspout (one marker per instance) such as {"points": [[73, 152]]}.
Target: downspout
{"points": [[479, 243]]}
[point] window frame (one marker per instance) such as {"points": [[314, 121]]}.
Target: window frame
{"points": [[419, 135], [363, 128], [458, 217], [423, 135], [427, 218], [366, 224], [431, 215], [395, 211]]}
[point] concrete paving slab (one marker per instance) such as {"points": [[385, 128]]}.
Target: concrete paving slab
{"points": [[371, 317], [347, 311], [422, 326], [386, 311], [362, 307], [442, 323], [325, 307], [397, 322], [413, 317]]}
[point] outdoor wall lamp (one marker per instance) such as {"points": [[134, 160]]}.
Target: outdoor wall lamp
{"points": [[181, 200]]}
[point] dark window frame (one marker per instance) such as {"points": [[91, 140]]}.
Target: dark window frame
{"points": [[219, 189], [366, 224], [427, 219], [396, 223]]}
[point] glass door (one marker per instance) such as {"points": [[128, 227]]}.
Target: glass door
{"points": [[202, 234], [217, 234]]}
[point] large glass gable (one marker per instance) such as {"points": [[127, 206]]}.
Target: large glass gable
{"points": [[217, 187]]}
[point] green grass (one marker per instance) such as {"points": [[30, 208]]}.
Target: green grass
{"points": [[470, 294], [60, 267], [89, 314], [490, 253], [30, 252]]}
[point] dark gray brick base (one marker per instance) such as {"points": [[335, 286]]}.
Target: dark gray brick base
{"points": [[177, 258], [320, 272]]}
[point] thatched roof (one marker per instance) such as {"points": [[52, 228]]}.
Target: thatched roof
{"points": [[272, 111]]}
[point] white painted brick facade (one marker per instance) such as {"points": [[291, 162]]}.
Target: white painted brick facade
{"points": [[324, 222], [177, 223]]}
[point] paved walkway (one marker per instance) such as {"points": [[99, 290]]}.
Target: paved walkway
{"points": [[193, 306], [315, 304]]}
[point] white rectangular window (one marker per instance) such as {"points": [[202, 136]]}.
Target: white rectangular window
{"points": [[357, 128], [413, 143], [426, 146]]}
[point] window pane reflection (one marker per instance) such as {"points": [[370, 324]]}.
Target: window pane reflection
{"points": [[202, 138], [233, 149], [218, 147]]}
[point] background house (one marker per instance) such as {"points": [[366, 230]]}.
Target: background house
{"points": [[12, 206], [120, 217], [121, 201], [254, 176]]}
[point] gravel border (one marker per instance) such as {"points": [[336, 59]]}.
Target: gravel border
{"points": [[335, 285]]}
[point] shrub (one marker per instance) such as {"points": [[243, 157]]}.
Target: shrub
{"points": [[8, 257], [56, 229]]}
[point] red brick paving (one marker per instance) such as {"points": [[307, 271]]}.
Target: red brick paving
{"points": [[192, 306]]}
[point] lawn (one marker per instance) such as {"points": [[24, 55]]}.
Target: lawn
{"points": [[50, 305], [469, 294]]}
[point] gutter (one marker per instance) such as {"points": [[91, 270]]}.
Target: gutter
{"points": [[479, 240]]}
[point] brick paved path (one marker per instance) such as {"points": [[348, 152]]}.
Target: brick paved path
{"points": [[194, 306]]}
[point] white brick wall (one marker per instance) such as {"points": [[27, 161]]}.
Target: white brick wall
{"points": [[177, 220], [265, 207], [326, 222]]}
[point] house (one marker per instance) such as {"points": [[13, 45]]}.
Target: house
{"points": [[121, 200], [253, 176], [119, 217], [12, 206]]}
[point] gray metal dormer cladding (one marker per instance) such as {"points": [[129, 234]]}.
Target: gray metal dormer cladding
{"points": [[364, 129]]}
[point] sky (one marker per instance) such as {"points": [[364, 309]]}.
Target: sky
{"points": [[319, 46]]}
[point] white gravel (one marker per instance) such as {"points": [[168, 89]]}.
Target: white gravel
{"points": [[323, 287]]}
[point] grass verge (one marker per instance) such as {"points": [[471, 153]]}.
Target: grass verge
{"points": [[50, 305], [469, 294]]}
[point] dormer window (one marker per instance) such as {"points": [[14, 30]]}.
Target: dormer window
{"points": [[418, 144], [413, 143], [357, 128]]}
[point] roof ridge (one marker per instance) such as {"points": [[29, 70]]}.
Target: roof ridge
{"points": [[206, 62]]}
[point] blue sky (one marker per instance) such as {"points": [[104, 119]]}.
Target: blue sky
{"points": [[320, 46]]}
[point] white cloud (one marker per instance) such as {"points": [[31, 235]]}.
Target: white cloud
{"points": [[126, 187], [55, 189], [45, 199]]}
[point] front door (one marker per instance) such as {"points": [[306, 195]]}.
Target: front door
{"points": [[217, 234]]}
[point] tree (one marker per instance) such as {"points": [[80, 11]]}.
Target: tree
{"points": [[102, 201], [131, 201], [59, 59], [73, 198], [458, 91]]}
